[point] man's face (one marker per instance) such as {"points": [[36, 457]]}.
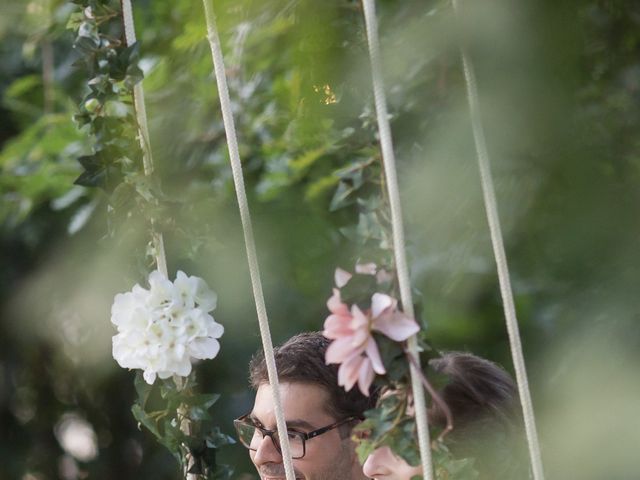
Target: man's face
{"points": [[327, 457]]}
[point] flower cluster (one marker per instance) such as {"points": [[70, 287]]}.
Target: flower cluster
{"points": [[161, 329], [351, 330]]}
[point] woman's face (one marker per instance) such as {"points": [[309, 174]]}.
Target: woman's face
{"points": [[384, 464]]}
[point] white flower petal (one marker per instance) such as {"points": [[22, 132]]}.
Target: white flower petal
{"points": [[366, 268], [214, 329], [206, 298], [149, 376], [204, 348], [379, 303], [341, 277]]}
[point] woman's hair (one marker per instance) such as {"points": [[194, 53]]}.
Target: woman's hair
{"points": [[484, 404]]}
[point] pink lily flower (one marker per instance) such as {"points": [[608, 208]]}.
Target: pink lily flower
{"points": [[353, 346]]}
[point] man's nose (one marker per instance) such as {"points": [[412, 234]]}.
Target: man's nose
{"points": [[266, 452]]}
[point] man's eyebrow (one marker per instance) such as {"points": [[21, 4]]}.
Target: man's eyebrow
{"points": [[300, 424], [255, 420], [296, 423]]}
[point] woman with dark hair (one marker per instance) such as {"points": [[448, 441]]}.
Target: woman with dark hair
{"points": [[483, 401]]}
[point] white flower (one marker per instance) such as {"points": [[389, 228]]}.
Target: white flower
{"points": [[161, 329], [192, 290]]}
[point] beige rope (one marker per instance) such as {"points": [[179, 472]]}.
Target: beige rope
{"points": [[236, 166], [398, 235], [143, 133], [491, 206]]}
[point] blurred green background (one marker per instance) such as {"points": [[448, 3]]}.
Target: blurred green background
{"points": [[559, 87]]}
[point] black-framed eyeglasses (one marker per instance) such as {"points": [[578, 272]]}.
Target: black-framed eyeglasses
{"points": [[251, 435]]}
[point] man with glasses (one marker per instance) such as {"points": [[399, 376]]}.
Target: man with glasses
{"points": [[319, 414]]}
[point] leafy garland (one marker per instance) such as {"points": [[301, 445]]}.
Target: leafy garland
{"points": [[178, 404], [107, 110], [171, 409], [107, 114], [392, 422]]}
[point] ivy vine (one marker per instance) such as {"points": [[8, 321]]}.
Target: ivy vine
{"points": [[106, 112], [163, 409], [361, 189]]}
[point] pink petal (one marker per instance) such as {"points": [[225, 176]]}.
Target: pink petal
{"points": [[339, 350], [374, 355], [366, 268], [383, 276], [349, 371], [341, 277], [397, 326], [380, 302], [359, 338], [359, 319], [336, 326], [365, 378], [335, 305]]}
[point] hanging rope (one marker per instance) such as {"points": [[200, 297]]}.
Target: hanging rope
{"points": [[491, 207], [388, 159], [236, 166], [143, 133]]}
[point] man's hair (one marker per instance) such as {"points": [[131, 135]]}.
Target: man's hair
{"points": [[301, 359], [484, 404]]}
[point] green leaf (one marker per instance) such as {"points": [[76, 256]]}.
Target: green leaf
{"points": [[22, 86], [134, 75], [204, 400], [122, 197], [300, 165], [173, 437], [75, 19], [359, 290], [341, 197], [143, 389], [141, 416], [198, 414], [85, 46], [92, 178], [217, 439], [320, 186], [393, 358], [168, 389]]}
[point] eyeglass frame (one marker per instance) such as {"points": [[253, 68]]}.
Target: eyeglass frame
{"points": [[276, 441]]}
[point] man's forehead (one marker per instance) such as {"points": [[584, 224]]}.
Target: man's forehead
{"points": [[301, 403]]}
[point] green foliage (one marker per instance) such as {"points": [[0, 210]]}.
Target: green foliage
{"points": [[447, 467], [107, 110], [38, 166], [390, 425], [182, 421]]}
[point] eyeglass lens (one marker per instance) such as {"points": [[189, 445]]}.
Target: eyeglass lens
{"points": [[251, 437]]}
